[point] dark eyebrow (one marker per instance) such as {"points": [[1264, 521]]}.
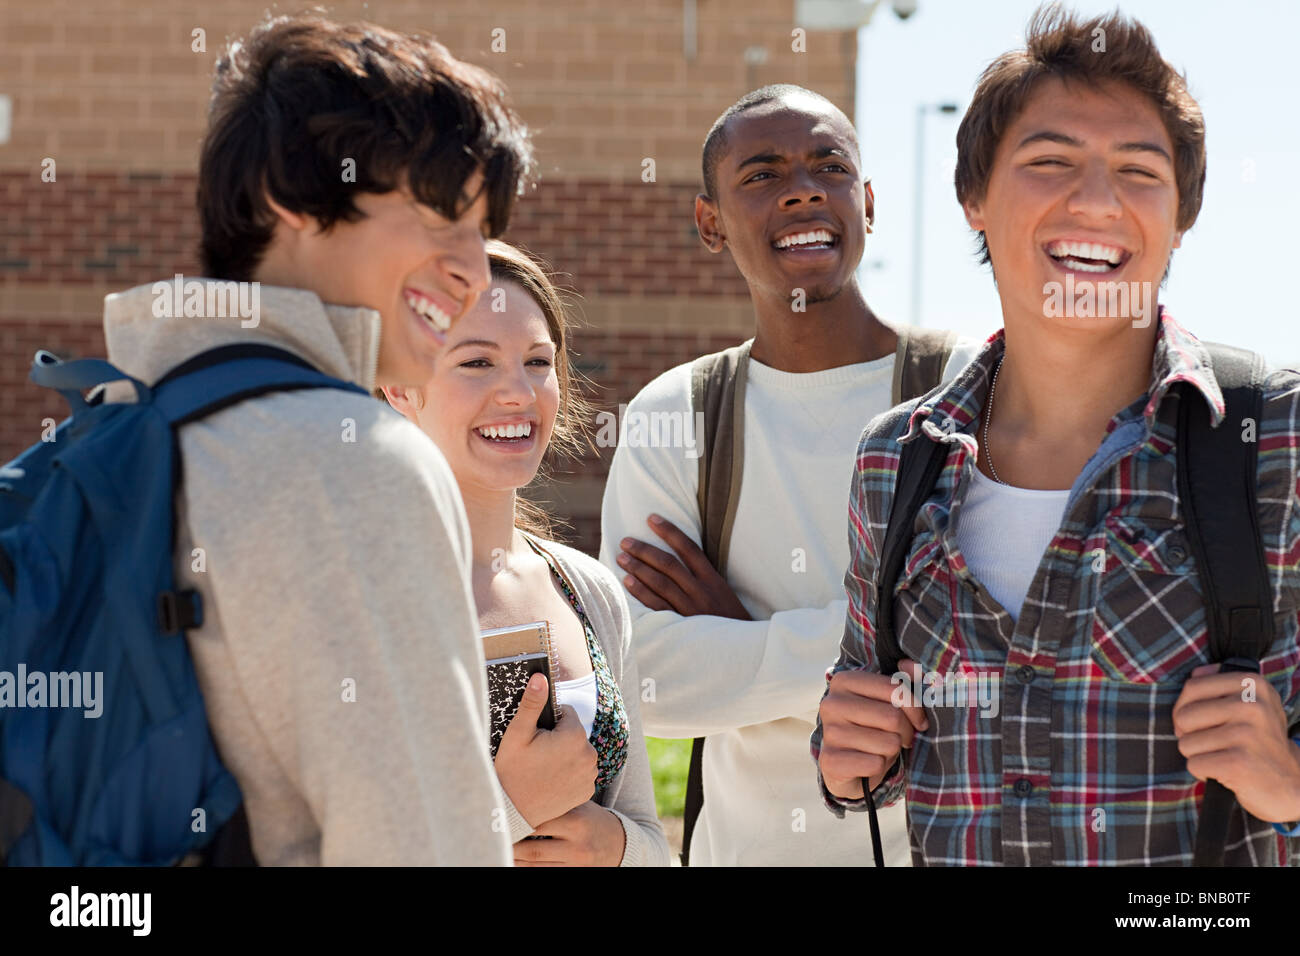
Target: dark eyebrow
{"points": [[1048, 136], [820, 153], [484, 343], [1144, 148], [759, 158]]}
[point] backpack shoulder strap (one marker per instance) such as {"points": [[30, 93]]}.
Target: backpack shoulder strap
{"points": [[1217, 474], [718, 392], [230, 374], [1217, 492], [920, 464], [919, 361]]}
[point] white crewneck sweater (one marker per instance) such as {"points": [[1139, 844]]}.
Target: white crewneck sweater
{"points": [[753, 687]]}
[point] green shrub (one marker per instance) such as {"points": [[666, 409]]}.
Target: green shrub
{"points": [[669, 762]]}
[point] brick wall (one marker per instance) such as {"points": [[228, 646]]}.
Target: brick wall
{"points": [[113, 93]]}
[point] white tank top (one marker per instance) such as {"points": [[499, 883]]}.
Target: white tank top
{"points": [[1003, 531]]}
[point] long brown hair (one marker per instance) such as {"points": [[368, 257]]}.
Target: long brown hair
{"points": [[572, 433]]}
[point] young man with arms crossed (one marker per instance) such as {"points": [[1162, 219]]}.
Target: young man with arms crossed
{"points": [[740, 659], [1053, 551], [336, 550]]}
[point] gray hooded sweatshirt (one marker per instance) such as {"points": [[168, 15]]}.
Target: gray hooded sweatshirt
{"points": [[338, 655]]}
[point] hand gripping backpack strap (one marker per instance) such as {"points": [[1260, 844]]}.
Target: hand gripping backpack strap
{"points": [[1217, 471], [717, 393], [920, 463], [1217, 479], [919, 361]]}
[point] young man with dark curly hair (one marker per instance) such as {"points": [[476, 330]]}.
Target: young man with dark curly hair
{"points": [[349, 178]]}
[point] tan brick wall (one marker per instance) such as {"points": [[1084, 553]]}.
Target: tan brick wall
{"points": [[115, 85], [112, 91]]}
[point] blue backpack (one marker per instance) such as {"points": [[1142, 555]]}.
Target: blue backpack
{"points": [[105, 753]]}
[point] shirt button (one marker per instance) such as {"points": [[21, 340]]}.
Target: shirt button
{"points": [[1177, 554], [1024, 787], [1025, 674]]}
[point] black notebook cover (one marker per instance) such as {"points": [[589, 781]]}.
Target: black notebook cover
{"points": [[513, 655]]}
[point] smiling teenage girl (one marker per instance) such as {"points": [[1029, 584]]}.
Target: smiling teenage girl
{"points": [[501, 394]]}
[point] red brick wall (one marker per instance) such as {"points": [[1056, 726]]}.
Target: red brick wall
{"points": [[22, 405], [114, 229], [116, 95], [120, 229], [108, 231]]}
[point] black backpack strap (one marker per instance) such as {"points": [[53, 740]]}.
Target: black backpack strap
{"points": [[1217, 490], [718, 392], [1217, 472], [920, 464]]}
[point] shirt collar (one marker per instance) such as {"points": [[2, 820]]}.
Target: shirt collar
{"points": [[1179, 357]]}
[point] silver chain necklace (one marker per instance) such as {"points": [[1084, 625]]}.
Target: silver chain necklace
{"points": [[988, 455]]}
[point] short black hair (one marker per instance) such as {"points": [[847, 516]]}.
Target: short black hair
{"points": [[715, 143], [303, 94]]}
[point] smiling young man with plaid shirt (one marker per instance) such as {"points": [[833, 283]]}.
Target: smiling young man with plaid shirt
{"points": [[1053, 552]]}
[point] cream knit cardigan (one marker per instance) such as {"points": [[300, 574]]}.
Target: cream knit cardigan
{"points": [[631, 794]]}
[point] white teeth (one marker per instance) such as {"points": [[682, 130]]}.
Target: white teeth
{"points": [[423, 307], [1086, 250], [522, 430], [1079, 266], [805, 238]]}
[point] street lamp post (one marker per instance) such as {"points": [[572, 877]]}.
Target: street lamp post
{"points": [[917, 247]]}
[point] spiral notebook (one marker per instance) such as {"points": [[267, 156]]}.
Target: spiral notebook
{"points": [[513, 655]]}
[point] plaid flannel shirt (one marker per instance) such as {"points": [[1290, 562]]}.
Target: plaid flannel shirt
{"points": [[1080, 764]]}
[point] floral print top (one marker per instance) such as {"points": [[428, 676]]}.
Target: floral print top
{"points": [[609, 728]]}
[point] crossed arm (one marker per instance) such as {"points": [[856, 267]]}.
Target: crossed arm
{"points": [[681, 580]]}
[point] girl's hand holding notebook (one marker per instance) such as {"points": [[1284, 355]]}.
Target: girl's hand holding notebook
{"points": [[545, 772]]}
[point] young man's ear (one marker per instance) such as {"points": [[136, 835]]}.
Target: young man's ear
{"points": [[405, 398], [708, 223], [294, 220], [869, 203], [974, 211]]}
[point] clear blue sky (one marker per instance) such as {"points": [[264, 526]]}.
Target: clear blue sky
{"points": [[1243, 66]]}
